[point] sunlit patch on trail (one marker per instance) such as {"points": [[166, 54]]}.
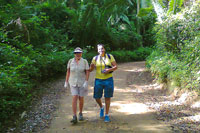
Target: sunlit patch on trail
{"points": [[143, 88], [135, 70], [195, 118], [196, 105], [149, 128], [131, 108], [90, 93], [180, 101], [123, 89], [192, 119], [119, 89], [118, 79]]}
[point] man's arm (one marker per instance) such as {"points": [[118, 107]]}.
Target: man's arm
{"points": [[92, 66]]}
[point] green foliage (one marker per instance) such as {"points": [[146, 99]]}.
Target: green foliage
{"points": [[103, 22], [37, 38], [174, 6], [21, 70], [144, 11], [89, 55], [177, 54], [92, 18], [137, 55]]}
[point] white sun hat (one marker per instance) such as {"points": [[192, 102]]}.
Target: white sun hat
{"points": [[78, 50]]}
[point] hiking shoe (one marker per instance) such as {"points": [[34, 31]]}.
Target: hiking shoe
{"points": [[80, 117], [101, 113], [107, 118], [74, 120]]}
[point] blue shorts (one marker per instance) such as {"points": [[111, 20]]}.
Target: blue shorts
{"points": [[103, 84]]}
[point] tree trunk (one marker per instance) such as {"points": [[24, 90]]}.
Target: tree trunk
{"points": [[138, 21]]}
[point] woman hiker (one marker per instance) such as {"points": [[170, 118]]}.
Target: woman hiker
{"points": [[105, 64], [77, 79]]}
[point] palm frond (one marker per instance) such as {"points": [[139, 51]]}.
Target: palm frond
{"points": [[161, 3], [171, 6], [174, 5], [180, 3]]}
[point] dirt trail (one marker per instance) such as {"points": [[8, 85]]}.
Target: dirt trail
{"points": [[128, 110]]}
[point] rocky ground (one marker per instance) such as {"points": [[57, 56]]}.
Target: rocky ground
{"points": [[179, 109], [41, 111]]}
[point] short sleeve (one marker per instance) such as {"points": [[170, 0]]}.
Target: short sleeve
{"points": [[93, 60], [68, 65], [112, 59], [86, 65]]}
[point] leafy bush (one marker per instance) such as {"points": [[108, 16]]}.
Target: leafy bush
{"points": [[177, 52], [137, 55], [21, 70], [89, 56]]}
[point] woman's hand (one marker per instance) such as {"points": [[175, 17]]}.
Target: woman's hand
{"points": [[92, 66], [66, 84], [85, 85], [106, 71]]}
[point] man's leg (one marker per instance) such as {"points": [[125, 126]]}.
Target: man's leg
{"points": [[98, 100], [107, 102], [101, 114], [74, 108], [81, 103], [108, 93], [98, 91], [74, 104]]}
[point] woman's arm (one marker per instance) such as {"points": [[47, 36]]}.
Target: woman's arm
{"points": [[114, 67], [67, 74], [87, 75], [92, 66]]}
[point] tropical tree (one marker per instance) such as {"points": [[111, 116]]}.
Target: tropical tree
{"points": [[175, 6], [98, 19], [144, 12], [172, 6]]}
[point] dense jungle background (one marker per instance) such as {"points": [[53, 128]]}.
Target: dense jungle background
{"points": [[37, 38]]}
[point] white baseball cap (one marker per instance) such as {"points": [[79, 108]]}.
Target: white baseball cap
{"points": [[78, 50]]}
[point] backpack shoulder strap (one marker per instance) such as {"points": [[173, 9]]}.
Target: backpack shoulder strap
{"points": [[96, 57], [109, 56], [85, 61], [70, 61]]}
